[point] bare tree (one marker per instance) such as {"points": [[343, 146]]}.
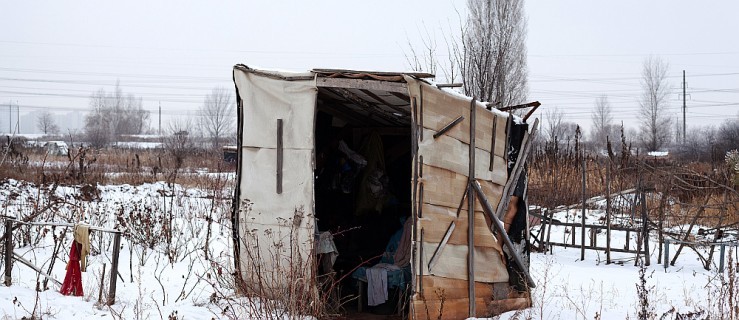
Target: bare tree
{"points": [[655, 122], [488, 54], [45, 122], [553, 124], [602, 122], [218, 115], [493, 58], [178, 143], [114, 114]]}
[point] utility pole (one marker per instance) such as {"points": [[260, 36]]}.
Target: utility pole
{"points": [[684, 85], [160, 118], [18, 116]]}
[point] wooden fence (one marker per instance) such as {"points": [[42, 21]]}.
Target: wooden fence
{"points": [[11, 223]]}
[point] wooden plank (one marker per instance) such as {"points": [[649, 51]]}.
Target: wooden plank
{"points": [[451, 154], [440, 248], [455, 308], [441, 108], [279, 156], [455, 288], [443, 187], [437, 219], [489, 265], [398, 87], [444, 308]]}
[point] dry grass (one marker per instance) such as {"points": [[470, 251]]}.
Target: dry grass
{"points": [[113, 166]]}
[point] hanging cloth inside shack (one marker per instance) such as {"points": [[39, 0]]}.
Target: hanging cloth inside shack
{"points": [[370, 194]]}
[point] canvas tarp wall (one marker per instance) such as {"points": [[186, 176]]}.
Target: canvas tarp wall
{"points": [[279, 224], [441, 259]]}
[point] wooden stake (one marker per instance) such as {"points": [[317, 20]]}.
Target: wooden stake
{"points": [[114, 268], [8, 252], [102, 281]]}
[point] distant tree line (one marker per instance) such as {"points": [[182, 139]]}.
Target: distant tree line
{"points": [[112, 115]]}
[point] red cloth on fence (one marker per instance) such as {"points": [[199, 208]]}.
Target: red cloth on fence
{"points": [[73, 280]]}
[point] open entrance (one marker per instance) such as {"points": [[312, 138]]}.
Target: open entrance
{"points": [[363, 196]]}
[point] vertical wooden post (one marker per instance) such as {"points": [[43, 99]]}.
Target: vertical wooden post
{"points": [[114, 268], [8, 252], [102, 282], [721, 259], [667, 253], [492, 143], [279, 156], [471, 211], [584, 200], [549, 230], [645, 228], [608, 213]]}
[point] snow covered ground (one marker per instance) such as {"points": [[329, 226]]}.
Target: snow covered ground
{"points": [[571, 288], [161, 280]]}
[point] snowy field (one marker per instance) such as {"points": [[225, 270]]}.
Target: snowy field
{"points": [[165, 275]]}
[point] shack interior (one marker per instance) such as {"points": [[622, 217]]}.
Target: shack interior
{"points": [[363, 180]]}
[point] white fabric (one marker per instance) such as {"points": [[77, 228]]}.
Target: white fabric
{"points": [[265, 100], [285, 218], [376, 286], [327, 247]]}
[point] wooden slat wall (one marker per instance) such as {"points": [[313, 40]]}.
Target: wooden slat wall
{"points": [[451, 154], [443, 177]]}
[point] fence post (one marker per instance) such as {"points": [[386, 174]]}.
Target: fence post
{"points": [[114, 268], [721, 260], [8, 251], [608, 213], [667, 253], [584, 200]]}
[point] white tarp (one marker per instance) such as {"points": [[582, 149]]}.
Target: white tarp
{"points": [[283, 224]]}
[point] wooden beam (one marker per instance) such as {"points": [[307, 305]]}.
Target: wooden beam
{"points": [[449, 85], [371, 107], [440, 248], [279, 156], [30, 265], [346, 113], [450, 126], [492, 144], [521, 106], [382, 101], [388, 86], [471, 210], [499, 226]]}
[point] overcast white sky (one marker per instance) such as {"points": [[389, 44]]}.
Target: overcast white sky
{"points": [[54, 54]]}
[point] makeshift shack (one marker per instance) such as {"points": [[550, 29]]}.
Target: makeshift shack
{"points": [[342, 171]]}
